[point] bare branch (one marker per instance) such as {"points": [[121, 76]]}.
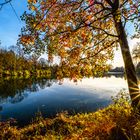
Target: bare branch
{"points": [[2, 4]]}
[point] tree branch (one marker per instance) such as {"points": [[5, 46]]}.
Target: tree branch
{"points": [[2, 4], [109, 2], [102, 49], [109, 34]]}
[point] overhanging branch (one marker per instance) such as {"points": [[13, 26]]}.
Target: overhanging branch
{"points": [[3, 3]]}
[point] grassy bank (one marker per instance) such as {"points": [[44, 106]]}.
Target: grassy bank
{"points": [[116, 122]]}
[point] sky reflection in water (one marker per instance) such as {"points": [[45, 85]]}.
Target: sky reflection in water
{"points": [[22, 99]]}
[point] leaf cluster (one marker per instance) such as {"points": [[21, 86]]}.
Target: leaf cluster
{"points": [[81, 33]]}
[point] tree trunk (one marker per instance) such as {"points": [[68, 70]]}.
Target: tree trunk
{"points": [[129, 66]]}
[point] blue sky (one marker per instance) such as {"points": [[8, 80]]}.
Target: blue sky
{"points": [[10, 26]]}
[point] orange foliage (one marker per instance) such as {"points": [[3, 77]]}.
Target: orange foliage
{"points": [[78, 32]]}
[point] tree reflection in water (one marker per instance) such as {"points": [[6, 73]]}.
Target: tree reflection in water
{"points": [[1, 108], [15, 90]]}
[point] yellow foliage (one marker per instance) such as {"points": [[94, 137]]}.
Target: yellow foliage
{"points": [[100, 125], [76, 32], [32, 1]]}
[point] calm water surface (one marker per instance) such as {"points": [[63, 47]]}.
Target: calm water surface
{"points": [[22, 99]]}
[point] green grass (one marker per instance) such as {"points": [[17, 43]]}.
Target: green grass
{"points": [[116, 122]]}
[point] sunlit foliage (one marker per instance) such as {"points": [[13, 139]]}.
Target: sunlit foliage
{"points": [[83, 33], [116, 121], [17, 65]]}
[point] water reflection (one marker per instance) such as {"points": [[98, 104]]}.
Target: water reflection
{"points": [[117, 75], [22, 98], [0, 108], [15, 90]]}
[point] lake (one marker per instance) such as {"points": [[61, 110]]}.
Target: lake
{"points": [[23, 98]]}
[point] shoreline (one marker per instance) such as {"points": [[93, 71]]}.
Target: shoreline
{"points": [[116, 120]]}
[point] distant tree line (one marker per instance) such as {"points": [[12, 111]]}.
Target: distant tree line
{"points": [[117, 69], [136, 59], [14, 63], [15, 88]]}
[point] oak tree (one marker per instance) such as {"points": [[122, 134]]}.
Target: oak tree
{"points": [[83, 33]]}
